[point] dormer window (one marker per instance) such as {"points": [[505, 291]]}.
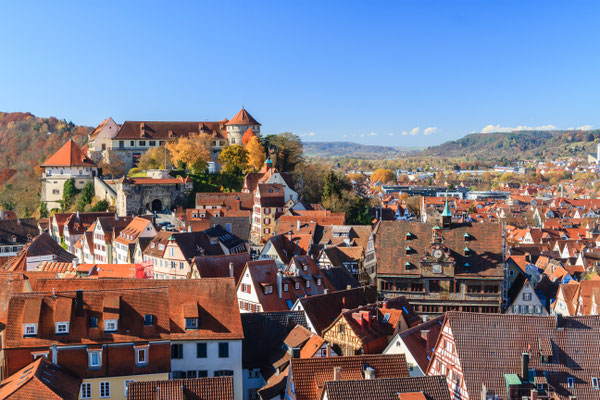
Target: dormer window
{"points": [[93, 322], [596, 383], [308, 284], [467, 237], [268, 289], [319, 282], [29, 329], [110, 325], [147, 319], [408, 250], [409, 236], [62, 328], [467, 251], [285, 287], [94, 359], [297, 285], [305, 267], [141, 356], [191, 323]]}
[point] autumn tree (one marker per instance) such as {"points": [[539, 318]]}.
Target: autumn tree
{"points": [[249, 134], [383, 176], [356, 177], [256, 153], [192, 151], [155, 158], [69, 192], [234, 159], [112, 164]]}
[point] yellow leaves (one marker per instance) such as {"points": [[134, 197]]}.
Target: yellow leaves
{"points": [[383, 175], [194, 151], [256, 153]]}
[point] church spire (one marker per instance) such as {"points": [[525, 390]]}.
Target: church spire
{"points": [[446, 215]]}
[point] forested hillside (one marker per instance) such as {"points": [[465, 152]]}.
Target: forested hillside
{"points": [[25, 142], [354, 150], [519, 145]]}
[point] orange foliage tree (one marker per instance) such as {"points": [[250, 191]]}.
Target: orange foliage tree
{"points": [[192, 151], [383, 175], [247, 136], [256, 153]]}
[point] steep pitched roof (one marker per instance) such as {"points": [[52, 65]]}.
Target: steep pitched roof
{"points": [[69, 155], [164, 130], [243, 117], [490, 346], [311, 374], [218, 266], [413, 388], [264, 334], [178, 389], [42, 245], [484, 241], [323, 309], [40, 380]]}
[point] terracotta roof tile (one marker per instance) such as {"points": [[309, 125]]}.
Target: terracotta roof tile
{"points": [[310, 374], [413, 388], [69, 155], [179, 389]]}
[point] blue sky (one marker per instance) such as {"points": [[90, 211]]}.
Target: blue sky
{"points": [[373, 72]]}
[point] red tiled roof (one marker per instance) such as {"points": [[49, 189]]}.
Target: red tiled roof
{"points": [[164, 130], [179, 389], [40, 380], [484, 241], [310, 374], [69, 155], [413, 388], [243, 117]]}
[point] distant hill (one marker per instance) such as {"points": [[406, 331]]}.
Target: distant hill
{"points": [[518, 145], [25, 142], [354, 150]]}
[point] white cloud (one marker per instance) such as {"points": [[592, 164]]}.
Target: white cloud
{"points": [[414, 131], [308, 134], [587, 127], [372, 133], [404, 133], [498, 128], [391, 134], [430, 130]]}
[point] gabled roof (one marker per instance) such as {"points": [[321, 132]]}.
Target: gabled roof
{"points": [[311, 374], [413, 388], [42, 245], [323, 309], [69, 155], [243, 117], [40, 380], [490, 345], [178, 389], [264, 334]]}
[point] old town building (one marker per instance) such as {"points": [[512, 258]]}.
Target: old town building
{"points": [[442, 268]]}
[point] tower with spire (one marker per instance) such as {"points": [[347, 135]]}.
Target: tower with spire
{"points": [[239, 124], [446, 215]]}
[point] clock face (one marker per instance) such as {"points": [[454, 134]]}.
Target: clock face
{"points": [[437, 253]]}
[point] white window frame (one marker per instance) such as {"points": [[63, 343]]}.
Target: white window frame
{"points": [[596, 383], [137, 355], [27, 326], [107, 324], [87, 393], [193, 325], [126, 383], [570, 383], [99, 354], [107, 386], [62, 324]]}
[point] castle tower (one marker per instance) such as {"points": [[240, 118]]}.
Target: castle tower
{"points": [[446, 216], [240, 124], [69, 162]]}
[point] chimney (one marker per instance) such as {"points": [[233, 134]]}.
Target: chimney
{"points": [[337, 373], [344, 301], [384, 304], [279, 283], [359, 319], [369, 373], [559, 321], [231, 270], [79, 303], [534, 394], [54, 354], [525, 367]]}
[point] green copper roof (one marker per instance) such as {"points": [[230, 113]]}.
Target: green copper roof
{"points": [[437, 227], [446, 212]]}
